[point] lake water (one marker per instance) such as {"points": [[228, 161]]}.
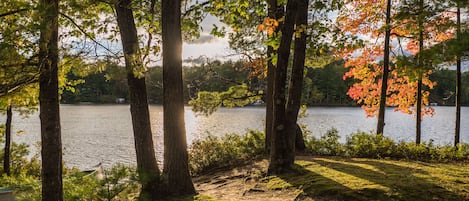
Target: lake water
{"points": [[103, 133]]}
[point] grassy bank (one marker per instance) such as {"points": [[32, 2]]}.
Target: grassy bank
{"points": [[336, 178]]}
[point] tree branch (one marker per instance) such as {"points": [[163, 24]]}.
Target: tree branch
{"points": [[10, 88], [13, 12], [87, 34], [193, 7]]}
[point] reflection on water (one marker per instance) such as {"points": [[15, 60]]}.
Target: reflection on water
{"points": [[103, 133]]}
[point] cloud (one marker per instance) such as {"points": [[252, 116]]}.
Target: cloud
{"points": [[203, 39]]}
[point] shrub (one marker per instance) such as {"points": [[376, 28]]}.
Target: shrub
{"points": [[213, 152], [327, 145], [369, 145], [377, 146]]}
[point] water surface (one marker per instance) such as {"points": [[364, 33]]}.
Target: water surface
{"points": [[103, 133]]}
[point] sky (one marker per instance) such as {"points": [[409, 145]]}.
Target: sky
{"points": [[207, 45]]}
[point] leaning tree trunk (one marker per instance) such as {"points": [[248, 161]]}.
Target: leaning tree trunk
{"points": [[384, 80], [146, 162], [282, 153], [296, 78], [457, 129], [176, 167], [6, 151], [51, 142]]}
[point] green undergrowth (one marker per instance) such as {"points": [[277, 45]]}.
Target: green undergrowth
{"points": [[212, 152], [364, 145], [232, 149], [337, 178]]}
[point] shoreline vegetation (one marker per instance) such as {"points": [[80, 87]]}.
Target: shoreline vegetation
{"points": [[233, 167]]}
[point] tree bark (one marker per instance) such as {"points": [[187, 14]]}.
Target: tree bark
{"points": [[282, 142], [418, 126], [6, 154], [176, 167], [296, 78], [457, 129], [51, 142], [269, 103], [146, 162], [384, 80]]}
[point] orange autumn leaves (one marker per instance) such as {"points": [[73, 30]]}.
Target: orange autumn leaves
{"points": [[365, 20], [269, 25]]}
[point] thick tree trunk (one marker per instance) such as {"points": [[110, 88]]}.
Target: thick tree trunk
{"points": [[176, 167], [296, 78], [51, 142], [384, 80], [6, 151], [282, 154], [457, 129], [146, 161]]}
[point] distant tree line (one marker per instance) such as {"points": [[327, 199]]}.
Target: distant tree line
{"points": [[323, 86]]}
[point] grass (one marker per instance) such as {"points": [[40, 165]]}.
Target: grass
{"points": [[338, 178], [371, 179]]}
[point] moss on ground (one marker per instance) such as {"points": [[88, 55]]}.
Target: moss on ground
{"points": [[370, 179]]}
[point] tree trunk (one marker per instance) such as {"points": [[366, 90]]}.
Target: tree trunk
{"points": [[384, 80], [146, 162], [51, 142], [6, 154], [176, 167], [282, 142], [457, 129], [418, 126], [296, 78], [269, 103]]}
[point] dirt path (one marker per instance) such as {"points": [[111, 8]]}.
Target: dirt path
{"points": [[243, 183]]}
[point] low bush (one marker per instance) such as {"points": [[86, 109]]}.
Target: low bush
{"points": [[364, 145], [213, 152], [327, 145]]}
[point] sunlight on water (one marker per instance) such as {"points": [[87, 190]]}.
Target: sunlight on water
{"points": [[103, 133]]}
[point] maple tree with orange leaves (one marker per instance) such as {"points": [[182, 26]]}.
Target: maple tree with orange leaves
{"points": [[365, 21]]}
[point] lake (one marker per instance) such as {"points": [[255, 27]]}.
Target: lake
{"points": [[103, 133]]}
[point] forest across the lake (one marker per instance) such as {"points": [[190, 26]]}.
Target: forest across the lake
{"points": [[322, 86]]}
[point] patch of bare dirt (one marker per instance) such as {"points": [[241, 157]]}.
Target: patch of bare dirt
{"points": [[243, 183]]}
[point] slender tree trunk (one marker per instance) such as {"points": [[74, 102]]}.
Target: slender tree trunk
{"points": [[282, 142], [458, 84], [51, 142], [269, 103], [384, 80], [296, 78], [418, 126], [176, 167], [146, 162], [6, 156]]}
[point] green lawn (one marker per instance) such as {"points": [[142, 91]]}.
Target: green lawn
{"points": [[370, 179]]}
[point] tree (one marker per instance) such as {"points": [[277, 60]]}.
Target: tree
{"points": [[146, 161], [287, 103], [176, 168], [51, 150], [432, 27], [384, 79], [457, 128], [6, 157]]}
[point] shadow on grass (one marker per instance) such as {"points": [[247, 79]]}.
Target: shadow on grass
{"points": [[319, 187], [365, 180]]}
